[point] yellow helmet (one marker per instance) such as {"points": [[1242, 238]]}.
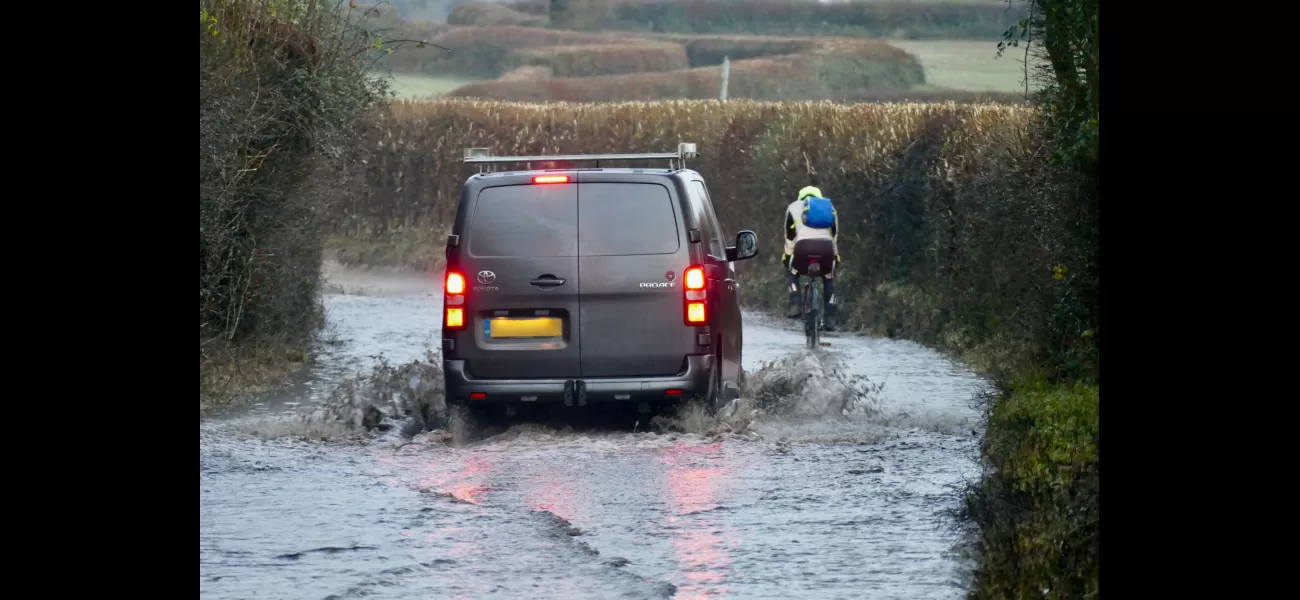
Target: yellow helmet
{"points": [[810, 191]]}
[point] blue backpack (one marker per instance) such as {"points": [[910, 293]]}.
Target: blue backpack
{"points": [[818, 212]]}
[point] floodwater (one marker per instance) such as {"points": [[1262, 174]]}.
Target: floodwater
{"points": [[818, 484]]}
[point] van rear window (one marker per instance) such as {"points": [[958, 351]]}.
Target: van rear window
{"points": [[619, 219], [525, 220]]}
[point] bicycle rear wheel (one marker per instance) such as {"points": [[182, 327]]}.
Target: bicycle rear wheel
{"points": [[811, 315]]}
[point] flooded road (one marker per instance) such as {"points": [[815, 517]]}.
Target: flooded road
{"points": [[819, 486]]}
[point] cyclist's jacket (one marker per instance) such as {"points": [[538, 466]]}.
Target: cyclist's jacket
{"points": [[795, 230]]}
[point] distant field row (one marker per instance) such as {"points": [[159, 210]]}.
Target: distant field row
{"points": [[963, 65], [970, 19]]}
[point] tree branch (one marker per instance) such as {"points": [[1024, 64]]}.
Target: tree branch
{"points": [[418, 44]]}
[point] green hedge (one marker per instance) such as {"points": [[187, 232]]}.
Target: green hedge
{"points": [[1039, 507], [284, 99], [953, 221]]}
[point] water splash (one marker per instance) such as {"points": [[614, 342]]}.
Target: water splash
{"points": [[405, 400]]}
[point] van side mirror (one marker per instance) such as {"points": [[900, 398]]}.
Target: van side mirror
{"points": [[746, 246]]}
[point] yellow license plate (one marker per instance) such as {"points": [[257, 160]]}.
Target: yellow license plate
{"points": [[525, 327]]}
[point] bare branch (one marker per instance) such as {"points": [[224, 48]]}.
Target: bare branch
{"points": [[379, 45]]}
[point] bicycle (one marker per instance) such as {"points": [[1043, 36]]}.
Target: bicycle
{"points": [[812, 305]]}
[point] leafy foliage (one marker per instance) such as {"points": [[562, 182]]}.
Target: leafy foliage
{"points": [[1040, 513], [1038, 502], [1064, 36], [284, 98], [953, 219]]}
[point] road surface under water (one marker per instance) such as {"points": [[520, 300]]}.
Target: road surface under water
{"points": [[832, 501]]}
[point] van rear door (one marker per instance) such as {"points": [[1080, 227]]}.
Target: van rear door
{"points": [[631, 255], [521, 272]]}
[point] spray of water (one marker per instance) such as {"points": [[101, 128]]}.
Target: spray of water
{"points": [[803, 397], [395, 400], [797, 393]]}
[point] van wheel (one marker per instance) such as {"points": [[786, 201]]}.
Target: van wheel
{"points": [[463, 421], [714, 393]]}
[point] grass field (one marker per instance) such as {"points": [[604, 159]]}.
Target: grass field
{"points": [[967, 64], [415, 86]]}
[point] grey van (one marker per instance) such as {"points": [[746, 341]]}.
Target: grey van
{"points": [[584, 285]]}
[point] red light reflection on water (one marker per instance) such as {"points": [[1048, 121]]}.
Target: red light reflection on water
{"points": [[693, 487], [555, 496], [466, 481], [468, 485], [464, 477]]}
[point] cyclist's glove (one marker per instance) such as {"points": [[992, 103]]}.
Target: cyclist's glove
{"points": [[785, 260]]}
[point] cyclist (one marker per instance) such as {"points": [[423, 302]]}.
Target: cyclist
{"points": [[802, 241]]}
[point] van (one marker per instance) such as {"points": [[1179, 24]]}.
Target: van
{"points": [[590, 285]]}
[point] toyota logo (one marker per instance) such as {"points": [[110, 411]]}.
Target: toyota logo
{"points": [[486, 277]]}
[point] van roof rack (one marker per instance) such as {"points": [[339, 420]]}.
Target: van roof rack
{"points": [[676, 159]]}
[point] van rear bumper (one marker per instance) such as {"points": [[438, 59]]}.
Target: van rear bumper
{"points": [[460, 384]]}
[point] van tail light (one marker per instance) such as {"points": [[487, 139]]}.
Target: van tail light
{"points": [[697, 313], [453, 308], [455, 318], [455, 283], [551, 179], [694, 278]]}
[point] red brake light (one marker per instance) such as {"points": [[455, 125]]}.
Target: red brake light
{"points": [[455, 283], [694, 278], [697, 295], [454, 301], [551, 179]]}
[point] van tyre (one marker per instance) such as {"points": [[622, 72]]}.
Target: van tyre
{"points": [[463, 420], [713, 396]]}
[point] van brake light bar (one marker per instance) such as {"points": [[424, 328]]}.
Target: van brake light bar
{"points": [[676, 159]]}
